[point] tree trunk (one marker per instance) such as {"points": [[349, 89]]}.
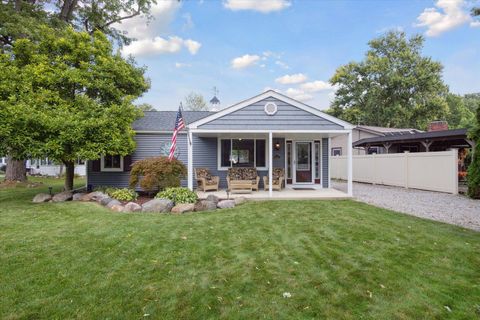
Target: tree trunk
{"points": [[16, 170], [69, 175]]}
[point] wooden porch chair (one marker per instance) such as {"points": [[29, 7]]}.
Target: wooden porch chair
{"points": [[205, 181], [278, 175]]}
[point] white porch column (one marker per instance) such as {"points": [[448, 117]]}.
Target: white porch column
{"points": [[190, 161], [270, 163], [350, 164]]}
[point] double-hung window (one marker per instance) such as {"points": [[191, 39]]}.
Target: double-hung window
{"points": [[242, 153], [111, 163]]}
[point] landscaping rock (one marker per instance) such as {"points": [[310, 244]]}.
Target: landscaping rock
{"points": [[132, 207], [113, 203], [226, 204], [240, 200], [62, 196], [78, 196], [94, 196], [42, 197], [117, 208], [105, 201], [158, 206], [183, 207], [205, 205], [213, 198]]}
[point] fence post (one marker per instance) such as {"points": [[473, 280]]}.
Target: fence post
{"points": [[406, 159], [455, 170], [375, 178]]}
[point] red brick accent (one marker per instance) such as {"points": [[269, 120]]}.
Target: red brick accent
{"points": [[438, 126]]}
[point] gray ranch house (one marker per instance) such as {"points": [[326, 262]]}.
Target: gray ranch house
{"points": [[267, 131]]}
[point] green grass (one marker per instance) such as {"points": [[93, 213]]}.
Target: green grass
{"points": [[338, 259]]}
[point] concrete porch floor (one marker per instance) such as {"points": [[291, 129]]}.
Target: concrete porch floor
{"points": [[287, 193]]}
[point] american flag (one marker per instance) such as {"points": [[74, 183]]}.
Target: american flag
{"points": [[179, 125]]}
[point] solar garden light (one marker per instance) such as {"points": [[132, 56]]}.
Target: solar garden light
{"points": [[50, 190], [228, 194], [174, 199]]}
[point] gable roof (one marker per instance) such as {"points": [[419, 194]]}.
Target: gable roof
{"points": [[404, 137], [276, 95], [165, 120]]}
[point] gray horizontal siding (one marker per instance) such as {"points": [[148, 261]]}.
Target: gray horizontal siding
{"points": [[148, 145], [288, 117]]}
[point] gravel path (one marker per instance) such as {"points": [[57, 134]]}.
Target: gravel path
{"points": [[449, 208]]}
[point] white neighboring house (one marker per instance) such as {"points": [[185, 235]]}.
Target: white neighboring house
{"points": [[339, 143], [46, 167]]}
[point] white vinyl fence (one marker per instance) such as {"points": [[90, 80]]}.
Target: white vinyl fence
{"points": [[435, 171]]}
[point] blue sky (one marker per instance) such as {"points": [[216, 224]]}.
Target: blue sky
{"points": [[243, 46]]}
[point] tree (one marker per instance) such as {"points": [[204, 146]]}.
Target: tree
{"points": [[195, 102], [394, 86], [473, 176], [145, 107], [78, 97], [459, 116]]}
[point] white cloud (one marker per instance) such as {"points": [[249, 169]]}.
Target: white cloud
{"points": [[298, 94], [475, 24], [315, 86], [159, 45], [282, 64], [182, 65], [447, 15], [147, 33], [263, 6], [292, 78], [245, 61], [192, 46]]}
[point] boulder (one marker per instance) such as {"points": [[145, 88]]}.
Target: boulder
{"points": [[132, 207], [183, 207], [117, 208], [105, 201], [213, 198], [205, 205], [62, 196], [42, 197], [240, 200], [226, 204], [94, 196], [113, 203], [157, 205], [78, 196]]}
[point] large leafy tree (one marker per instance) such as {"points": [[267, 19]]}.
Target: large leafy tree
{"points": [[393, 86], [77, 92], [195, 102], [474, 168], [459, 115]]}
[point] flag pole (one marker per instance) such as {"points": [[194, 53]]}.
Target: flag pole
{"points": [[186, 124]]}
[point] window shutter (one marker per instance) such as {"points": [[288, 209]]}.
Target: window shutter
{"points": [[95, 165], [127, 163]]}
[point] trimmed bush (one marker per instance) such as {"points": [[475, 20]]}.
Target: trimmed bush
{"points": [[157, 173], [178, 195], [473, 176], [122, 194]]}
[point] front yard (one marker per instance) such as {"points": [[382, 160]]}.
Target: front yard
{"points": [[283, 259]]}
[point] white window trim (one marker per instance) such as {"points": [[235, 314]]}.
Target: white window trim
{"points": [[336, 148], [103, 169], [219, 153]]}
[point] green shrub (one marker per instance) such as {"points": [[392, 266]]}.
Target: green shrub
{"points": [[157, 173], [179, 195], [473, 176], [122, 194]]}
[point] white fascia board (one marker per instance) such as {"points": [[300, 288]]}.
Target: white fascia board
{"points": [[265, 131]]}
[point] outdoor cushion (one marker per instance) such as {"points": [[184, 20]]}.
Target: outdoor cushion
{"points": [[204, 173]]}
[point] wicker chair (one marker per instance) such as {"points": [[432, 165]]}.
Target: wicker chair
{"points": [[205, 181], [278, 175]]}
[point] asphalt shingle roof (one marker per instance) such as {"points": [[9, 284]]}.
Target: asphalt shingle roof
{"points": [[165, 120]]}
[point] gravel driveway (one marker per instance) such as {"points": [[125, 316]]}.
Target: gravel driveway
{"points": [[449, 208]]}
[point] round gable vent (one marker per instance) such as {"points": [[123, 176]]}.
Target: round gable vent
{"points": [[270, 108]]}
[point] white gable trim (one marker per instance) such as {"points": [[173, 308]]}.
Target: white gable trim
{"points": [[276, 95]]}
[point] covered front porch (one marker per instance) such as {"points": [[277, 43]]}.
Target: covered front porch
{"points": [[303, 157]]}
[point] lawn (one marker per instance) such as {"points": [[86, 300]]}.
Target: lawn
{"points": [[331, 259]]}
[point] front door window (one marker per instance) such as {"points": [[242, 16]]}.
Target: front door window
{"points": [[303, 165]]}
